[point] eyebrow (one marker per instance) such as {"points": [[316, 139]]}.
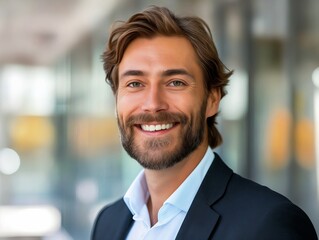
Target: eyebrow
{"points": [[132, 73], [178, 71], [166, 73]]}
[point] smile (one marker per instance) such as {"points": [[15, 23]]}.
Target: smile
{"points": [[157, 127]]}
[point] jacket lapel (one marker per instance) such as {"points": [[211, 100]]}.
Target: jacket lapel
{"points": [[122, 227], [201, 218], [123, 224], [118, 220]]}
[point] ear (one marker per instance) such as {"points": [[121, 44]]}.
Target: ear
{"points": [[213, 100]]}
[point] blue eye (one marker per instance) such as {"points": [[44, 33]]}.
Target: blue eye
{"points": [[177, 83], [134, 85]]}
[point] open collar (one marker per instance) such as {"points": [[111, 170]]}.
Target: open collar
{"points": [[201, 219]]}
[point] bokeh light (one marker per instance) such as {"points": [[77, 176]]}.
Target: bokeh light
{"points": [[315, 77], [9, 161]]}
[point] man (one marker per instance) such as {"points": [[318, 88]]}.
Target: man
{"points": [[168, 80]]}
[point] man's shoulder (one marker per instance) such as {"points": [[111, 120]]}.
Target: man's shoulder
{"points": [[239, 188], [245, 196], [112, 221], [248, 208], [248, 188], [221, 183], [249, 196], [268, 210]]}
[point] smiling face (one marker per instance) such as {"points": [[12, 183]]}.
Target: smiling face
{"points": [[161, 102]]}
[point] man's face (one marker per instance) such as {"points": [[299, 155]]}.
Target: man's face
{"points": [[161, 103]]}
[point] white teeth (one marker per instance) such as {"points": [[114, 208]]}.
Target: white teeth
{"points": [[158, 127]]}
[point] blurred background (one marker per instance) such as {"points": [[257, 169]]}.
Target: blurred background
{"points": [[60, 154]]}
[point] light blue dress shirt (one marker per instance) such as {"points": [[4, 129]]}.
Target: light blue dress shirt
{"points": [[172, 214]]}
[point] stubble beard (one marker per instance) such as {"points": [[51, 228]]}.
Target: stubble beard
{"points": [[152, 153]]}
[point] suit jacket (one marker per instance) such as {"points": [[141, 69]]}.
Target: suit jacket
{"points": [[226, 207]]}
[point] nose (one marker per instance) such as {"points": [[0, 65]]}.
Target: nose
{"points": [[154, 100]]}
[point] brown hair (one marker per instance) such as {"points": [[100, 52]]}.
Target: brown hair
{"points": [[161, 21]]}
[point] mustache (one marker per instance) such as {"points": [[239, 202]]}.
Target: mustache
{"points": [[161, 117]]}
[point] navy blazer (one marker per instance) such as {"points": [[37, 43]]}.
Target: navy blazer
{"points": [[226, 207]]}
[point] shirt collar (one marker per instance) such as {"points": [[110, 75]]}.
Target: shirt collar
{"points": [[137, 194], [184, 195]]}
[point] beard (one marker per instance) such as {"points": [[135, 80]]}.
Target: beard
{"points": [[153, 153]]}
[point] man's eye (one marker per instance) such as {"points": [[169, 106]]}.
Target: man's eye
{"points": [[177, 83], [134, 84]]}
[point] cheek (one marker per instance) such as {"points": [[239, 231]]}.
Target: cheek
{"points": [[189, 106], [125, 107], [184, 103]]}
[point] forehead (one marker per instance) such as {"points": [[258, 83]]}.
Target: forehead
{"points": [[170, 51]]}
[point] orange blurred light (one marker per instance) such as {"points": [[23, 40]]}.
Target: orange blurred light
{"points": [[278, 139], [31, 132], [305, 143]]}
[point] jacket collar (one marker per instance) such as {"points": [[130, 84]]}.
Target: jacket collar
{"points": [[117, 226], [201, 218]]}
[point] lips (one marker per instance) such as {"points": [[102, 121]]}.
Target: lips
{"points": [[156, 127]]}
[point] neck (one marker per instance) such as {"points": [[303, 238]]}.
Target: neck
{"points": [[162, 183]]}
